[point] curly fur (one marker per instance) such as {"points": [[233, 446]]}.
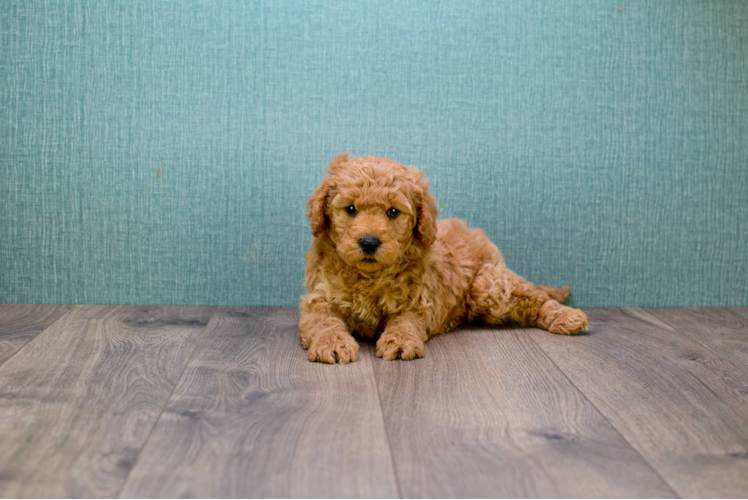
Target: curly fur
{"points": [[426, 278]]}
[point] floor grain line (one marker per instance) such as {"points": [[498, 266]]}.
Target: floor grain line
{"points": [[371, 352], [654, 470], [486, 414], [708, 331], [253, 417], [680, 406], [166, 403], [77, 404], [68, 308]]}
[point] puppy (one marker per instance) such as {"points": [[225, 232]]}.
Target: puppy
{"points": [[381, 265]]}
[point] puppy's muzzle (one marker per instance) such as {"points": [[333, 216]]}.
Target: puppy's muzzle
{"points": [[369, 244]]}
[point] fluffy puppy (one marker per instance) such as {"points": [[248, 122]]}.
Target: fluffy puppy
{"points": [[381, 265]]}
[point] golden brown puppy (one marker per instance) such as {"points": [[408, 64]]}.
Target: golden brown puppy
{"points": [[381, 265]]}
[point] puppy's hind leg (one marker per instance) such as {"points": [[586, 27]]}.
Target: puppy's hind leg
{"points": [[498, 294]]}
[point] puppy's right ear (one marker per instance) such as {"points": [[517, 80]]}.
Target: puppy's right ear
{"points": [[318, 208], [317, 204]]}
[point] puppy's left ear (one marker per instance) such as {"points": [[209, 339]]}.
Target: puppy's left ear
{"points": [[317, 205], [427, 212]]}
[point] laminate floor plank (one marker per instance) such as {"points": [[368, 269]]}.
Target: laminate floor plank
{"points": [[20, 323], [723, 330], [680, 405], [486, 414], [79, 401], [252, 417], [741, 310]]}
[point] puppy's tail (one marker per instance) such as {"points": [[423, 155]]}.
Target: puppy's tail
{"points": [[558, 294]]}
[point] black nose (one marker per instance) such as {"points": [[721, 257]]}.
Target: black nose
{"points": [[369, 244]]}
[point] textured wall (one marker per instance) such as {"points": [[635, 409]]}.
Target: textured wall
{"points": [[162, 152]]}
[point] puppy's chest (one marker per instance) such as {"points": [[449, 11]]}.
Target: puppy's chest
{"points": [[367, 306]]}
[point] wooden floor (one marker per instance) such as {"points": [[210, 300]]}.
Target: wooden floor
{"points": [[177, 401]]}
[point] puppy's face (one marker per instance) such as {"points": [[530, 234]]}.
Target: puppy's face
{"points": [[373, 211], [371, 226]]}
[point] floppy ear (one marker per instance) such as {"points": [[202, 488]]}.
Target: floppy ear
{"points": [[318, 208], [426, 210], [318, 202]]}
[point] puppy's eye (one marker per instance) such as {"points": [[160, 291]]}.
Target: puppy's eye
{"points": [[392, 213], [351, 210]]}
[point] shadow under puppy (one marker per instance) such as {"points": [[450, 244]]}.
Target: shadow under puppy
{"points": [[381, 264]]}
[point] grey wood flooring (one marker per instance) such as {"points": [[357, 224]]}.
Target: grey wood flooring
{"points": [[192, 401], [20, 323]]}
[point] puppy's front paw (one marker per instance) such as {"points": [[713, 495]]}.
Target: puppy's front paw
{"points": [[393, 344], [569, 322], [333, 347]]}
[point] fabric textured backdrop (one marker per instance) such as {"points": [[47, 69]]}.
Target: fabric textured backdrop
{"points": [[162, 152]]}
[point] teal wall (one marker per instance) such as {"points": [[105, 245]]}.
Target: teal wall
{"points": [[162, 152]]}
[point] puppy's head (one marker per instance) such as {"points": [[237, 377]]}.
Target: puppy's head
{"points": [[374, 211]]}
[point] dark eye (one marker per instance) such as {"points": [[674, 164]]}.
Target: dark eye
{"points": [[392, 213], [351, 210]]}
